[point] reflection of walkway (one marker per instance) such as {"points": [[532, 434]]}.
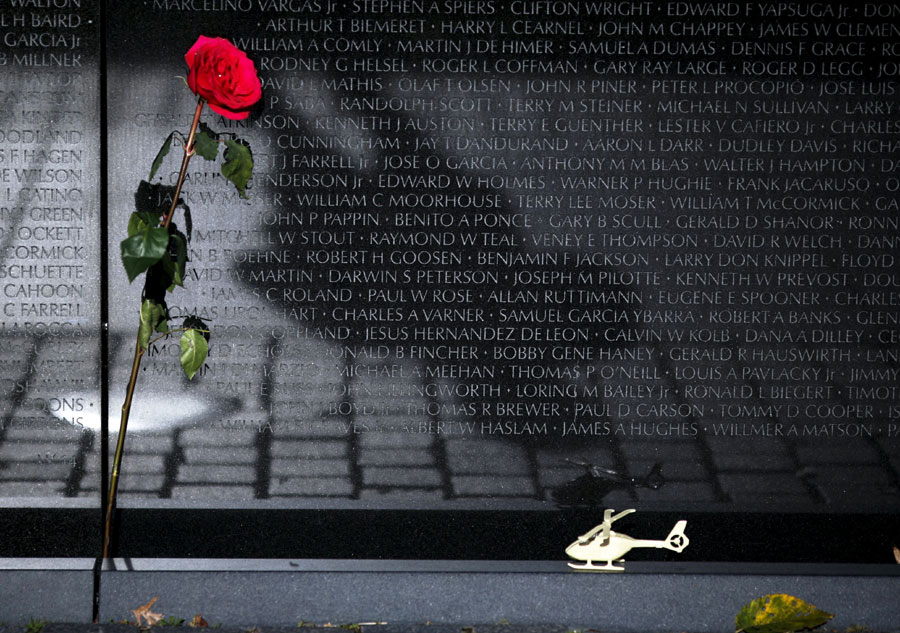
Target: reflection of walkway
{"points": [[372, 438], [46, 451]]}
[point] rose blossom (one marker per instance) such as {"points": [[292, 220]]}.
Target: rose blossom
{"points": [[224, 76]]}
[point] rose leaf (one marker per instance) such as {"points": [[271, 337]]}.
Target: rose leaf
{"points": [[166, 146], [153, 317], [779, 613], [205, 143], [142, 250], [193, 352], [238, 166], [141, 221]]}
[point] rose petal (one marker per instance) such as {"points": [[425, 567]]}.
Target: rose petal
{"points": [[224, 76]]}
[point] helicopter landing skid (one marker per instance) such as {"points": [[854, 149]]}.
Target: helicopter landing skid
{"points": [[590, 566]]}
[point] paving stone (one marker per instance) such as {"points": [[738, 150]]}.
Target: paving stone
{"points": [[747, 444], [485, 456], [405, 477], [396, 457], [620, 499], [395, 440], [837, 451], [895, 464], [134, 482], [43, 433], [136, 443], [687, 469], [841, 474], [35, 471], [310, 487], [299, 429], [678, 491], [776, 501], [402, 497], [213, 493], [319, 449], [594, 454], [553, 478], [309, 467], [220, 455], [89, 481], [131, 463], [493, 486], [742, 485], [188, 473], [34, 451], [864, 495], [216, 437], [753, 458], [37, 489], [666, 449]]}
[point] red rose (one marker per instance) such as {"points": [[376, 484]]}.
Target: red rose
{"points": [[223, 75]]}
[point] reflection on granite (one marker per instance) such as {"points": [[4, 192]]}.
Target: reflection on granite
{"points": [[46, 450], [340, 439]]}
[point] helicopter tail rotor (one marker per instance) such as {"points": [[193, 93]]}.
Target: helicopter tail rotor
{"points": [[677, 540]]}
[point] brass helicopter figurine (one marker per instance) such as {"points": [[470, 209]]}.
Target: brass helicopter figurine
{"points": [[603, 544]]}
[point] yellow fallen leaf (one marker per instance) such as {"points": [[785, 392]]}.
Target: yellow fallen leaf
{"points": [[897, 555], [779, 613], [144, 612]]}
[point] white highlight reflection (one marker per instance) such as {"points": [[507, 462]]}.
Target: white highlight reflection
{"points": [[149, 412]]}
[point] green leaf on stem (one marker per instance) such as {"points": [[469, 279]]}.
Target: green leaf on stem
{"points": [[193, 352], [238, 166], [153, 317], [206, 143], [140, 221], [143, 249], [166, 146]]}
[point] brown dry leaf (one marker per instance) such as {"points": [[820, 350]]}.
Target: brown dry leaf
{"points": [[897, 555], [144, 612], [198, 622]]}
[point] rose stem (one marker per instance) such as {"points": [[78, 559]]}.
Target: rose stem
{"points": [[138, 350]]}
